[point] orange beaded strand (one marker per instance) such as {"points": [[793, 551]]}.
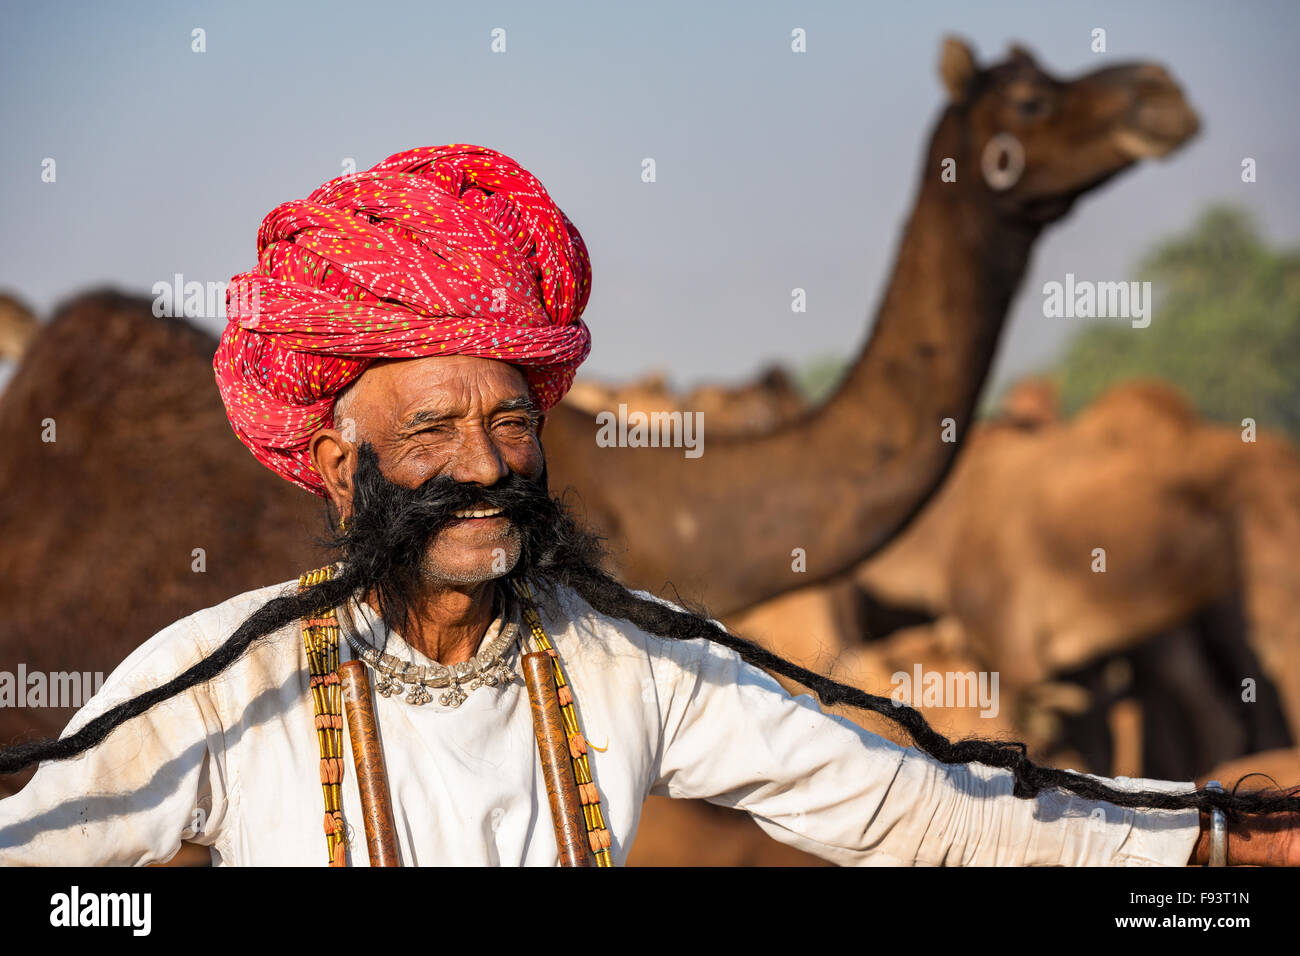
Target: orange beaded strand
{"points": [[588, 794], [320, 636]]}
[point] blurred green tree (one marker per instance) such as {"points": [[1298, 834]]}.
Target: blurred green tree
{"points": [[817, 378], [1225, 327]]}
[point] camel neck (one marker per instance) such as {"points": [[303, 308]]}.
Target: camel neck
{"points": [[956, 270]]}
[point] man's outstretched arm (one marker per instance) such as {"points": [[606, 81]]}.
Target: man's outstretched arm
{"points": [[735, 737], [131, 799]]}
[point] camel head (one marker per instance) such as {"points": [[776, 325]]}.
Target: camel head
{"points": [[1036, 143]]}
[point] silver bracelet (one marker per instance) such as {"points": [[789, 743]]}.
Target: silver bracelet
{"points": [[1218, 831]]}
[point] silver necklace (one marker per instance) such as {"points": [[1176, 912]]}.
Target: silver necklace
{"points": [[486, 668]]}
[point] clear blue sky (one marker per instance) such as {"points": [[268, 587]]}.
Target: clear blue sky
{"points": [[775, 170]]}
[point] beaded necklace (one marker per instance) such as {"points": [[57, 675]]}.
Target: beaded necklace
{"points": [[487, 668], [321, 636]]}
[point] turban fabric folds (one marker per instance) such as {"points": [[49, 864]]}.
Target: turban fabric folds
{"points": [[443, 250]]}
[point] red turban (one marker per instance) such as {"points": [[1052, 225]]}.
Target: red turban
{"points": [[442, 250]]}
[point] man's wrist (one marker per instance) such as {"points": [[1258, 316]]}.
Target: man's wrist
{"points": [[1253, 841]]}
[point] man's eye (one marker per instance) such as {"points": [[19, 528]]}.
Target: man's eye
{"points": [[515, 424]]}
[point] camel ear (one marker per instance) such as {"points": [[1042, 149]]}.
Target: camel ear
{"points": [[957, 67]]}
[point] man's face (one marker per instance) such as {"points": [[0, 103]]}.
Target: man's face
{"points": [[467, 418]]}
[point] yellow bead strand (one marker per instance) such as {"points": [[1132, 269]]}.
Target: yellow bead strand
{"points": [[597, 830], [320, 637]]}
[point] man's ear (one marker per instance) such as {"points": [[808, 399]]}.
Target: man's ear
{"points": [[336, 462], [541, 423]]}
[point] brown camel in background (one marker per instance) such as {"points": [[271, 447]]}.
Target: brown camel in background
{"points": [[842, 479], [1196, 526], [1141, 666], [747, 409], [1184, 510]]}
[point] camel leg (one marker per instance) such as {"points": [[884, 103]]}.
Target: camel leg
{"points": [[1227, 646], [1089, 732], [1187, 724]]}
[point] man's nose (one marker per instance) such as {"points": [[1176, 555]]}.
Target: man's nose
{"points": [[478, 460]]}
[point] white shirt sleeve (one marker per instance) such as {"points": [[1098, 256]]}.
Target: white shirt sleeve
{"points": [[130, 800], [734, 737]]}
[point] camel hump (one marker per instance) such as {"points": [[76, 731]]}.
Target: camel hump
{"points": [[107, 324], [18, 326], [107, 363], [656, 381], [777, 380], [588, 395], [1138, 411], [1030, 403]]}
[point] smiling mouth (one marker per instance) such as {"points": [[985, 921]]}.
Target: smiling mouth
{"points": [[478, 513]]}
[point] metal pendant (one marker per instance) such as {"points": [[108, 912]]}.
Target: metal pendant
{"points": [[454, 697], [419, 695], [387, 686]]}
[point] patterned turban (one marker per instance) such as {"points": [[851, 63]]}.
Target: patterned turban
{"points": [[442, 250]]}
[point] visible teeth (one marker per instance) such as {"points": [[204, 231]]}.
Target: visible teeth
{"points": [[484, 513]]}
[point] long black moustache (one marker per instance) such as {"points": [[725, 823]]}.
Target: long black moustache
{"points": [[383, 549], [392, 526]]}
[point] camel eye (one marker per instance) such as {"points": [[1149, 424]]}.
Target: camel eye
{"points": [[1032, 107]]}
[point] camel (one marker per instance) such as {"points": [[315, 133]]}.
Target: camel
{"points": [[1197, 596], [1139, 668], [843, 478], [1191, 519], [749, 409], [105, 541], [1189, 516]]}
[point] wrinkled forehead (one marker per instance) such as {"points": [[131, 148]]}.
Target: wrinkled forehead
{"points": [[390, 389]]}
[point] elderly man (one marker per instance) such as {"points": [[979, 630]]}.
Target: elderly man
{"points": [[396, 352]]}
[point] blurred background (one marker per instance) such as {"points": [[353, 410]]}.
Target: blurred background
{"points": [[1115, 536]]}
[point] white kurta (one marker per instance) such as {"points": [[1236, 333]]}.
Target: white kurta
{"points": [[234, 765]]}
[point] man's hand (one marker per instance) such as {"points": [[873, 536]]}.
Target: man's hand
{"points": [[1256, 841]]}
